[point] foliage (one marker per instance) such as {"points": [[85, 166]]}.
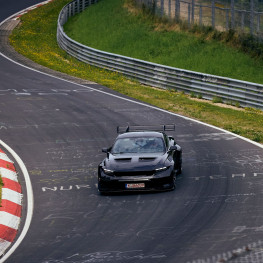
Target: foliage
{"points": [[217, 100]]}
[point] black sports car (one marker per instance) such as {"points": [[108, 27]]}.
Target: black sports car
{"points": [[141, 159]]}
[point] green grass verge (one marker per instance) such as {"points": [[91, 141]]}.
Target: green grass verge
{"points": [[113, 26], [35, 38]]}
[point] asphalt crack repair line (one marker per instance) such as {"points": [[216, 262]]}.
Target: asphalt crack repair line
{"points": [[11, 205]]}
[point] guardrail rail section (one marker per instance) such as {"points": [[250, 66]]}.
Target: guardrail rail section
{"points": [[246, 94]]}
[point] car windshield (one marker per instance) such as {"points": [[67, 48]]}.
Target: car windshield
{"points": [[138, 145]]}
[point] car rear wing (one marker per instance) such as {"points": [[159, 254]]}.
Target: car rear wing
{"points": [[157, 128]]}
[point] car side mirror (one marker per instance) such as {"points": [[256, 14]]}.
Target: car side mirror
{"points": [[171, 138], [172, 148], [105, 150]]}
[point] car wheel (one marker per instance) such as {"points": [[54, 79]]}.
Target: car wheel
{"points": [[179, 170], [173, 183], [99, 189]]}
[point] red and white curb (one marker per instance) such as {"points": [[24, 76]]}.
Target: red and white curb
{"points": [[11, 205]]}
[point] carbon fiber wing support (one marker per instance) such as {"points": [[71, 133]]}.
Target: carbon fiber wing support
{"points": [[157, 128]]}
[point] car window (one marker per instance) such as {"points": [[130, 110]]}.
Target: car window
{"points": [[138, 145]]}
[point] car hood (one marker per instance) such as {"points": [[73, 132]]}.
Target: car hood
{"points": [[142, 162]]}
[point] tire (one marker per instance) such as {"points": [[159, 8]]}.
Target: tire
{"points": [[179, 170], [173, 183], [179, 164]]}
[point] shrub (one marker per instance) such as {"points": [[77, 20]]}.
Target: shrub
{"points": [[192, 94], [217, 100]]}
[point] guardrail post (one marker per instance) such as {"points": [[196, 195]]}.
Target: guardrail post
{"points": [[213, 13], [232, 14], [200, 15], [162, 8], [251, 17], [227, 19], [73, 8], [65, 16], [153, 7], [242, 21], [193, 11], [189, 14], [177, 9], [78, 7], [258, 23], [169, 8]]}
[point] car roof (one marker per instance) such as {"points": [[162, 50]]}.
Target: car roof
{"points": [[141, 134]]}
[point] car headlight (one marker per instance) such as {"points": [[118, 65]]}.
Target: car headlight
{"points": [[108, 171], [161, 169]]}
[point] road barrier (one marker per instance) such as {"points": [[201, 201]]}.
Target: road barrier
{"points": [[232, 91]]}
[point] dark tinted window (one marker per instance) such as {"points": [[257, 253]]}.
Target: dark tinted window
{"points": [[138, 145]]}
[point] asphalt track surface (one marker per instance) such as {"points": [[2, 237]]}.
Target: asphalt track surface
{"points": [[58, 129]]}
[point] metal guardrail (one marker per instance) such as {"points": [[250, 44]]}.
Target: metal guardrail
{"points": [[247, 94]]}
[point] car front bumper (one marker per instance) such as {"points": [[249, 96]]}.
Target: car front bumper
{"points": [[161, 182]]}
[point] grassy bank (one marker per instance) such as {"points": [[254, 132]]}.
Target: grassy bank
{"points": [[36, 38], [116, 26]]}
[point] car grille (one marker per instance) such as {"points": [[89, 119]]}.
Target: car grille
{"points": [[133, 173]]}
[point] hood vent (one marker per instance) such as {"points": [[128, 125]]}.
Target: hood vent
{"points": [[146, 159], [122, 159]]}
